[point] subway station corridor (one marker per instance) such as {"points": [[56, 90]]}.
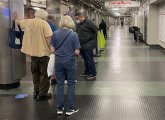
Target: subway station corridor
{"points": [[130, 85]]}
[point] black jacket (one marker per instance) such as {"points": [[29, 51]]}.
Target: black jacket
{"points": [[87, 32], [103, 27]]}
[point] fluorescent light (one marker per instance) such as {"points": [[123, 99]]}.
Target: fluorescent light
{"points": [[71, 6], [82, 10], [117, 14], [36, 8], [115, 9]]}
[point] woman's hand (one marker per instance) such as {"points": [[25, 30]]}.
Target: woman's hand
{"points": [[77, 52], [15, 15]]}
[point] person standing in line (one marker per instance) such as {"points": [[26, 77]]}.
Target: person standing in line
{"points": [[36, 43], [51, 21], [66, 46], [122, 21], [103, 26], [87, 32]]}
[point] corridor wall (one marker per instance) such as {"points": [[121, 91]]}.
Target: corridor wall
{"points": [[148, 22], [162, 25], [153, 25]]}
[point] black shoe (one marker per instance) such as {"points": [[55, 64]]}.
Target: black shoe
{"points": [[95, 62], [97, 55], [90, 77], [71, 112], [35, 94], [44, 97], [83, 75], [53, 82]]}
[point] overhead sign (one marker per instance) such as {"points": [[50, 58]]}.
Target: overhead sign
{"points": [[119, 4], [38, 3]]}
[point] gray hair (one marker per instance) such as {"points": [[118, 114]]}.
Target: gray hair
{"points": [[67, 22], [41, 13]]}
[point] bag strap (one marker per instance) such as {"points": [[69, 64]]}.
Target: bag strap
{"points": [[63, 41], [13, 25], [19, 28]]}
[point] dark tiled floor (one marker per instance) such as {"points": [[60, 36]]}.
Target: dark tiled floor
{"points": [[91, 108], [130, 85]]}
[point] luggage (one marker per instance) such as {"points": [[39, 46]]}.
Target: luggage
{"points": [[138, 36], [131, 29]]}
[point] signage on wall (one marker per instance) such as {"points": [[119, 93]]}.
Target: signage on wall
{"points": [[119, 4], [162, 12], [38, 3], [65, 2]]}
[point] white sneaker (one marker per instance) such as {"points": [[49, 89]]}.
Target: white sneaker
{"points": [[60, 112], [67, 82], [71, 112]]}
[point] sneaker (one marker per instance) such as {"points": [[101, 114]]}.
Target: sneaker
{"points": [[67, 82], [83, 75], [91, 77], [60, 112], [71, 112]]}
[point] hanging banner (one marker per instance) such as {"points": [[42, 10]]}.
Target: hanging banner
{"points": [[120, 4]]}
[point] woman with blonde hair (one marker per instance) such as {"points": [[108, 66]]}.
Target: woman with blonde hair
{"points": [[66, 46]]}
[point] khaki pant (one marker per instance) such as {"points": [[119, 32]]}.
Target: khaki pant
{"points": [[39, 72]]}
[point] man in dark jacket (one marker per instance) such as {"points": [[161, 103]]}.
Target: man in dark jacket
{"points": [[103, 26], [87, 32]]}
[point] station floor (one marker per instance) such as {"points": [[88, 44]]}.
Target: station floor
{"points": [[130, 85]]}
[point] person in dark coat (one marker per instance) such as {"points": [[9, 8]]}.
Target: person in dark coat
{"points": [[51, 21], [103, 26], [87, 32]]}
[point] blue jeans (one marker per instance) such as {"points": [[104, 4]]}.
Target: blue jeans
{"points": [[87, 56], [65, 67]]}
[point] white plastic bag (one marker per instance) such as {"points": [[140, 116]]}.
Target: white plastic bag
{"points": [[50, 69]]}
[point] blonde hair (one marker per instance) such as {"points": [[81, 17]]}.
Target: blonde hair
{"points": [[67, 22], [41, 13]]}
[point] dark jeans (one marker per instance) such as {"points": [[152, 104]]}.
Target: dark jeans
{"points": [[87, 56], [65, 67], [39, 72]]}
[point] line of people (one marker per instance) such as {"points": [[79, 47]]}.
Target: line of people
{"points": [[41, 39]]}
